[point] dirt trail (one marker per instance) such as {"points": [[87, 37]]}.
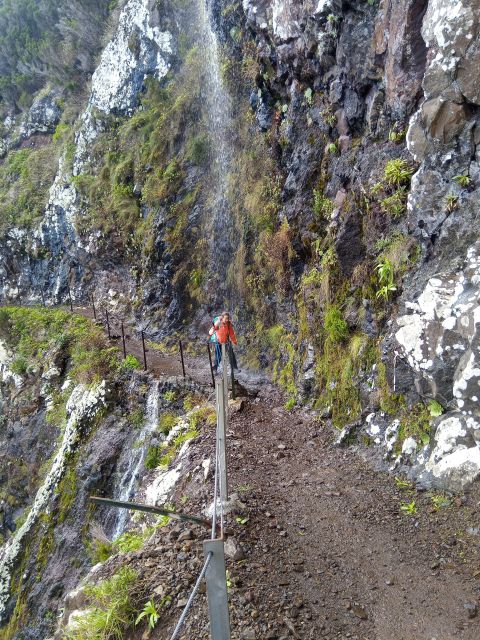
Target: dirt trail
{"points": [[328, 551], [329, 528]]}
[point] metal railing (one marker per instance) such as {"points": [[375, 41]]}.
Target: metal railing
{"points": [[213, 569]]}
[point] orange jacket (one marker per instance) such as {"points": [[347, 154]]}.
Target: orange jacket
{"points": [[225, 332]]}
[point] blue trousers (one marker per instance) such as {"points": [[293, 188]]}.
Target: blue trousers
{"points": [[230, 353]]}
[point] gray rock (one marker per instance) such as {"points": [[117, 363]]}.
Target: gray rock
{"points": [[234, 550]]}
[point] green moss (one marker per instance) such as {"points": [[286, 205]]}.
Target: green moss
{"points": [[415, 422], [67, 490], [136, 418], [338, 369], [112, 610], [35, 332], [25, 179], [335, 326], [167, 422], [390, 402]]}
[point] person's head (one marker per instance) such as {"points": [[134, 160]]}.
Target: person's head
{"points": [[225, 316]]}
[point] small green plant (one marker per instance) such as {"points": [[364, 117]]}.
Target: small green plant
{"points": [[451, 202], [395, 205], [385, 273], [241, 520], [409, 508], [189, 403], [403, 485], [309, 96], [397, 172], [440, 502], [154, 457], [334, 325], [463, 181], [386, 290], [244, 488], [170, 396], [435, 408], [322, 206], [130, 362], [290, 403], [111, 612], [332, 148], [375, 189], [228, 580], [150, 614], [167, 422], [396, 135]]}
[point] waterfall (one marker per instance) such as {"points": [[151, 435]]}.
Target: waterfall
{"points": [[134, 459], [218, 121]]}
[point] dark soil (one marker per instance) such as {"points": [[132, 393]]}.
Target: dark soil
{"points": [[328, 552]]}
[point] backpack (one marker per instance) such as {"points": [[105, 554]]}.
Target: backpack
{"points": [[212, 333]]}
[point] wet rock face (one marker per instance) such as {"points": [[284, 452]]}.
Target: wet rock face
{"points": [[440, 339], [139, 49], [436, 330], [43, 116]]}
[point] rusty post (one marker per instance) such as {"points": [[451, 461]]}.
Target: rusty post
{"points": [[123, 343], [232, 372], [108, 324], [93, 307], [181, 357], [144, 352], [211, 365]]}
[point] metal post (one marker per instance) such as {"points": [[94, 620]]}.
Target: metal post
{"points": [[217, 595], [181, 357], [70, 299], [108, 324], [144, 352], [225, 382], [43, 297], [232, 371], [123, 343], [211, 365], [221, 440], [94, 310]]}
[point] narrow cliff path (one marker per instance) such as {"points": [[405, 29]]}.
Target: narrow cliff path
{"points": [[325, 550], [334, 556]]}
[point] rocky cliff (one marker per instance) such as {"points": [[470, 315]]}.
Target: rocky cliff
{"points": [[314, 165]]}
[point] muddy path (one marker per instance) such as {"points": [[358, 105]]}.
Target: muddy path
{"points": [[325, 550], [339, 558]]}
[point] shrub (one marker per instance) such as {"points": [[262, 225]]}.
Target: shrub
{"points": [[397, 172], [112, 610], [396, 204], [322, 206], [130, 362], [153, 457], [334, 325], [33, 332], [167, 422]]}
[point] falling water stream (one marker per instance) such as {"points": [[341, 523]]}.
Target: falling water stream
{"points": [[218, 121], [135, 457]]}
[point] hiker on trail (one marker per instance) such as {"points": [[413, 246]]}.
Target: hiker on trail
{"points": [[222, 332]]}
